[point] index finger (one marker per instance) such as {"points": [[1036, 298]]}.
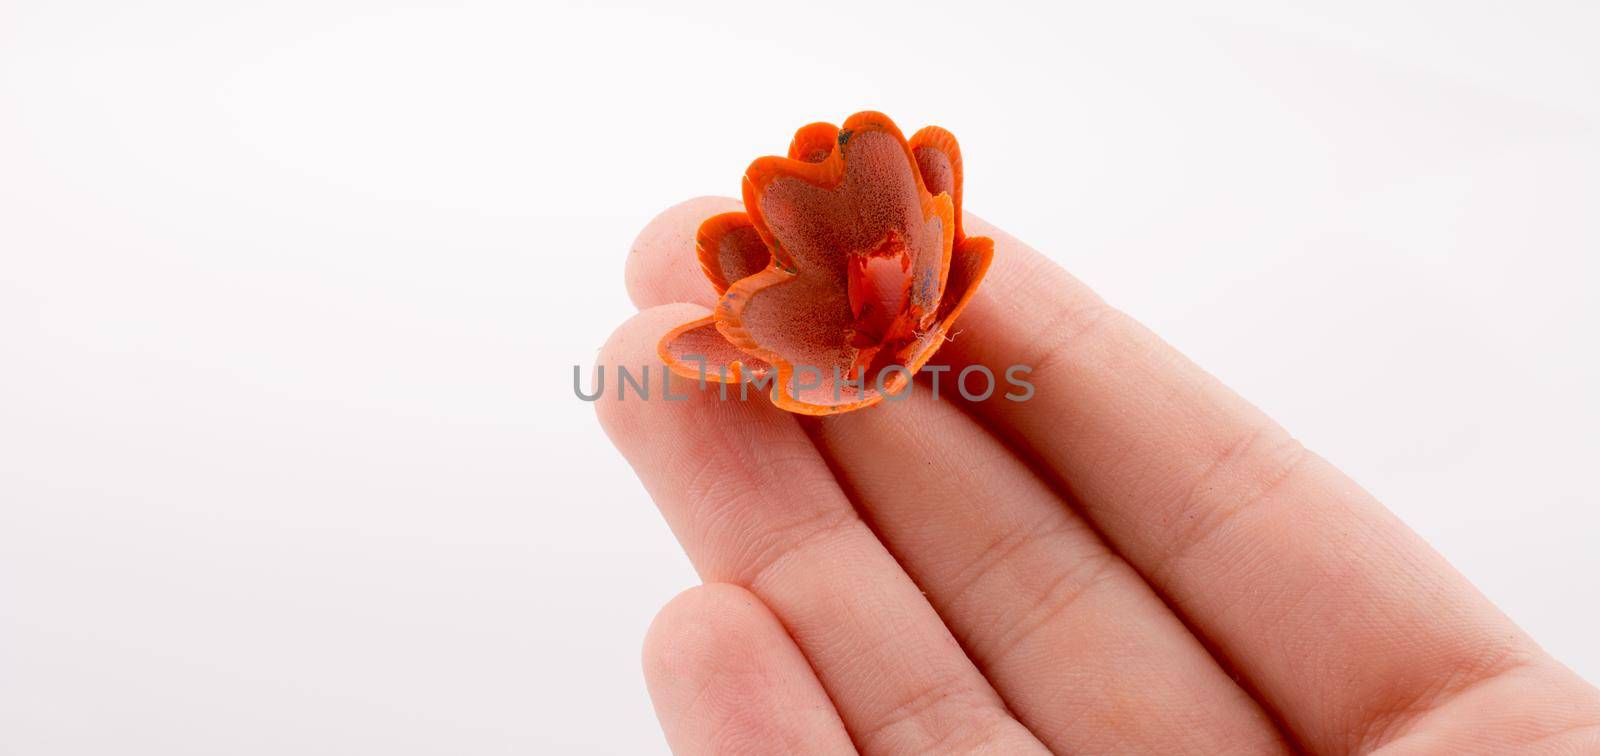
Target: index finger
{"points": [[1339, 616]]}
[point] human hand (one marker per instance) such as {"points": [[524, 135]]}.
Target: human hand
{"points": [[1134, 560]]}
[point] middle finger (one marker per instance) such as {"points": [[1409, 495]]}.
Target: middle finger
{"points": [[1077, 644]]}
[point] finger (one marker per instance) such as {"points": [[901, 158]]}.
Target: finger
{"points": [[1339, 616], [1077, 644], [726, 678], [755, 505], [1063, 628]]}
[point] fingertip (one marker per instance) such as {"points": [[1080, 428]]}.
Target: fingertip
{"points": [[701, 626], [662, 266], [725, 677], [632, 346]]}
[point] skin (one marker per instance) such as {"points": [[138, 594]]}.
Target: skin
{"points": [[1136, 560]]}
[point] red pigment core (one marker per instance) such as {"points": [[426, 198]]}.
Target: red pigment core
{"points": [[880, 302]]}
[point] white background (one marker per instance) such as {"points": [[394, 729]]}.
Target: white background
{"points": [[291, 292]]}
